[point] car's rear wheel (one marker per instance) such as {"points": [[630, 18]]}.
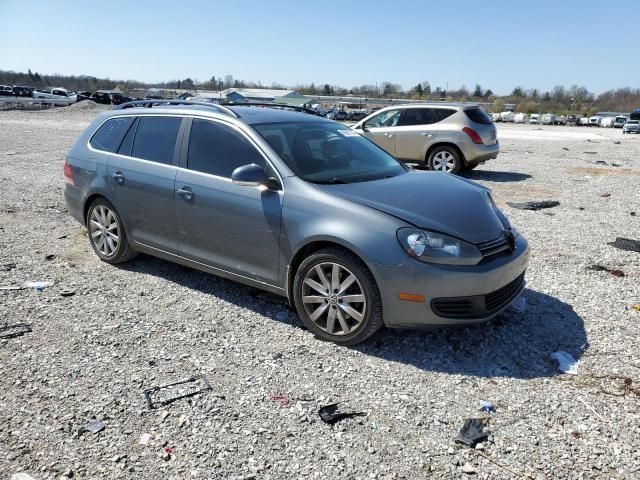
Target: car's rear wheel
{"points": [[445, 159], [106, 233], [337, 298]]}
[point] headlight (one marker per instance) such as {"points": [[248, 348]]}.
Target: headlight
{"points": [[434, 247]]}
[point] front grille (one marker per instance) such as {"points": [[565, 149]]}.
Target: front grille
{"points": [[478, 306], [493, 248]]}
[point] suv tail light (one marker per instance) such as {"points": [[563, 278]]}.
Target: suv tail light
{"points": [[475, 138], [67, 172]]}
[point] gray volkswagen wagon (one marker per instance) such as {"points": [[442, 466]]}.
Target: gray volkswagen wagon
{"points": [[297, 205]]}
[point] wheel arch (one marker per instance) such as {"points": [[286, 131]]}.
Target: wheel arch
{"points": [[444, 144]]}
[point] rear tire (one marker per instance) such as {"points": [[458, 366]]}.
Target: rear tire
{"points": [[106, 233], [337, 298], [445, 159]]}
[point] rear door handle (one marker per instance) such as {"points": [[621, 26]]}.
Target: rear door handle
{"points": [[186, 193], [118, 177]]}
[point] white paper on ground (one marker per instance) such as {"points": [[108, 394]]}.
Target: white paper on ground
{"points": [[566, 363]]}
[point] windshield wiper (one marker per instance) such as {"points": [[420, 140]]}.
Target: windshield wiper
{"points": [[333, 181]]}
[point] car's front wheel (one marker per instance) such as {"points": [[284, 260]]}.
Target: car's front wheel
{"points": [[337, 298], [106, 233], [445, 159]]}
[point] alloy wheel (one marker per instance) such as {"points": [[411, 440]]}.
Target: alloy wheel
{"points": [[444, 161], [333, 298], [104, 230]]}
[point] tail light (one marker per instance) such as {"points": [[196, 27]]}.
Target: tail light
{"points": [[67, 172], [475, 138]]}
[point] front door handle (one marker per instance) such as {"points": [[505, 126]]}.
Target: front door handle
{"points": [[388, 135], [118, 177], [427, 134], [186, 193]]}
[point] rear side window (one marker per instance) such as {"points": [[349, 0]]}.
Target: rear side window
{"points": [[418, 116], [218, 150], [478, 116], [108, 136], [442, 113], [156, 139]]}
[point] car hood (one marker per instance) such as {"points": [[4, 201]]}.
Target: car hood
{"points": [[431, 200]]}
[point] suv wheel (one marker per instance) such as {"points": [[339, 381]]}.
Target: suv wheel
{"points": [[445, 159], [337, 297], [106, 233]]}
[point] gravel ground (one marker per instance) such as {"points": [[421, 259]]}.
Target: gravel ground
{"points": [[128, 328]]}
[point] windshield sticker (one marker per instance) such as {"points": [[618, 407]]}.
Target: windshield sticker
{"points": [[348, 133]]}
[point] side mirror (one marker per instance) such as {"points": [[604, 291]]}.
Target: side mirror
{"points": [[253, 176]]}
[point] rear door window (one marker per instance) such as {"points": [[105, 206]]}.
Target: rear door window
{"points": [[218, 149], [108, 136], [478, 116], [442, 113], [155, 139], [127, 143], [418, 116]]}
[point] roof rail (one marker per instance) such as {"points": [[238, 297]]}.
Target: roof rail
{"points": [[159, 103], [274, 105]]}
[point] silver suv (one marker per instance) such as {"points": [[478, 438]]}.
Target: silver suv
{"points": [[446, 137]]}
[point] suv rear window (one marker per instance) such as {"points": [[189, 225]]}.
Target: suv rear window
{"points": [[156, 139], [108, 136], [478, 116]]}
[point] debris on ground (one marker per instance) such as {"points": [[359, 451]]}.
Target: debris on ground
{"points": [[636, 307], [16, 330], [145, 439], [51, 256], [605, 195], [590, 153], [565, 148], [519, 305], [7, 267], [166, 453], [602, 268], [12, 287], [21, 476], [626, 244], [94, 426], [67, 293], [534, 205], [170, 392], [332, 413], [566, 363], [282, 399], [472, 432], [486, 406], [469, 469], [39, 286]]}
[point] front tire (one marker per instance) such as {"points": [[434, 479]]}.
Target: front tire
{"points": [[337, 298], [106, 233], [445, 159]]}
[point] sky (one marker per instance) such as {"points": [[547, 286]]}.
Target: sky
{"points": [[498, 44]]}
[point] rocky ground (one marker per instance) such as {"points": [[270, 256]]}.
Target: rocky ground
{"points": [[125, 329]]}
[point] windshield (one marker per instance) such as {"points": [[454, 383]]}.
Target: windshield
{"points": [[328, 152]]}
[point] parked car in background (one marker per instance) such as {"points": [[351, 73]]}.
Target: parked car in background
{"points": [[535, 119], [445, 137], [635, 115], [583, 122], [495, 117], [521, 118], [107, 97], [632, 126], [607, 122], [61, 94], [83, 95], [6, 91], [594, 121], [23, 91], [560, 120], [572, 119], [548, 119], [507, 116], [299, 206], [619, 121]]}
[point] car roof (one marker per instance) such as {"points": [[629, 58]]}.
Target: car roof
{"points": [[434, 105], [244, 114]]}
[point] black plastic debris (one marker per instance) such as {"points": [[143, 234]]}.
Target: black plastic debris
{"points": [[94, 426], [472, 432], [51, 256], [11, 331], [165, 394], [67, 293], [7, 267], [590, 153], [605, 195], [626, 244], [333, 413], [534, 205], [565, 148], [602, 268]]}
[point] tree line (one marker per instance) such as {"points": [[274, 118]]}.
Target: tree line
{"points": [[560, 99]]}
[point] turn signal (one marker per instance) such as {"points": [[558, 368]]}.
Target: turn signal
{"points": [[410, 297]]}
